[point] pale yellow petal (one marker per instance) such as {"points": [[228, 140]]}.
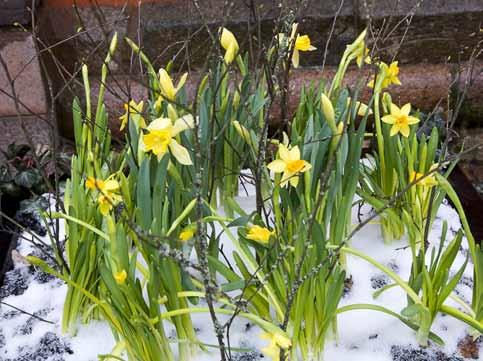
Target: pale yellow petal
{"points": [[389, 119], [294, 180], [180, 153], [183, 123], [295, 58], [160, 124], [277, 166], [394, 130], [405, 130], [395, 110], [111, 185], [294, 153], [406, 109], [167, 88], [283, 152], [412, 120], [181, 82]]}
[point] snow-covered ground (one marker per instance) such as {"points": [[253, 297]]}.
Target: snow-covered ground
{"points": [[363, 335]]}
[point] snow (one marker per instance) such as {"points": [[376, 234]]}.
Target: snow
{"points": [[363, 335]]}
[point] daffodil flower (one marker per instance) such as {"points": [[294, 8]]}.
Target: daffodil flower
{"points": [[161, 135], [276, 342], [187, 233], [428, 181], [108, 193], [120, 277], [400, 120], [392, 73], [301, 43], [168, 90], [229, 43], [259, 234], [132, 111], [290, 164], [362, 55], [362, 108]]}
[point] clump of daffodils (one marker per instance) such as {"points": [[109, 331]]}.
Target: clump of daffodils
{"points": [[289, 164], [160, 136]]}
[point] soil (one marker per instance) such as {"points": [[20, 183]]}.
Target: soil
{"points": [[409, 353], [470, 348]]}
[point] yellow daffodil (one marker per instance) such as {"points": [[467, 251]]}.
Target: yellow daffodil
{"points": [[259, 234], [168, 90], [276, 342], [229, 43], [362, 55], [132, 111], [301, 43], [187, 233], [161, 135], [120, 277], [290, 164], [400, 120], [362, 108], [108, 193], [428, 181], [392, 73]]}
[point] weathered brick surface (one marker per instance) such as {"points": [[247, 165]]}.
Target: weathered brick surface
{"points": [[17, 50], [11, 131]]}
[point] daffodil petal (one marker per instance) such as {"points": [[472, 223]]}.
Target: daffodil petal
{"points": [[160, 124], [277, 166], [180, 153], [283, 152], [183, 123], [394, 130], [295, 58], [294, 153], [389, 119], [405, 130], [406, 109]]}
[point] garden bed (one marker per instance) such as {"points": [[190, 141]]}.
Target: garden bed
{"points": [[363, 335]]}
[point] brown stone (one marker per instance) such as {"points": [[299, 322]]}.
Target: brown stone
{"points": [[17, 50]]}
